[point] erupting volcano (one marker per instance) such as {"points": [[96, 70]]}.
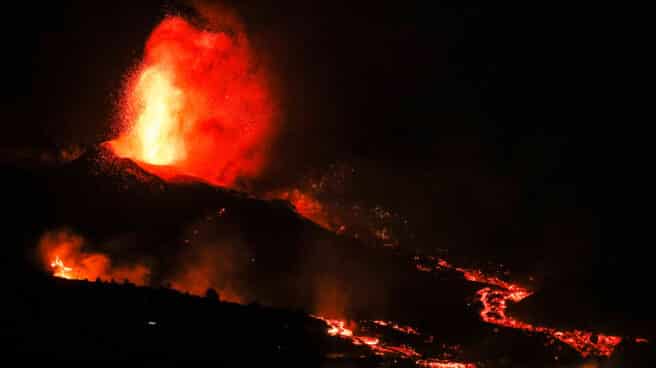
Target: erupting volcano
{"points": [[198, 119], [198, 105]]}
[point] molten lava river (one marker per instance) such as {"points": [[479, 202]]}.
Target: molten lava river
{"points": [[494, 298]]}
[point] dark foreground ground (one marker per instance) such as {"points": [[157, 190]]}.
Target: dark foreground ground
{"points": [[56, 319]]}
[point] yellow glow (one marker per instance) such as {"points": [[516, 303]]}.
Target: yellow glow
{"points": [[158, 126]]}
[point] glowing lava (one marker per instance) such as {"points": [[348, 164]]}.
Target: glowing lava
{"points": [[308, 206], [61, 270], [380, 347], [495, 303], [408, 330], [198, 105], [428, 363], [338, 328], [62, 251], [157, 124]]}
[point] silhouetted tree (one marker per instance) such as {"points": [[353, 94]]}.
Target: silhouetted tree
{"points": [[211, 294]]}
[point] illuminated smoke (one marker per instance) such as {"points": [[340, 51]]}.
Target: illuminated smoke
{"points": [[211, 260], [61, 251]]}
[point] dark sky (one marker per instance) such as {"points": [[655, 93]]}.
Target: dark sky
{"points": [[480, 113]]}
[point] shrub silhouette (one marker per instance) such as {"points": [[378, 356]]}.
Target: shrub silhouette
{"points": [[212, 294]]}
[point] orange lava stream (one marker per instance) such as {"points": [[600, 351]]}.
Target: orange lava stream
{"points": [[338, 328], [408, 330], [495, 303], [430, 363]]}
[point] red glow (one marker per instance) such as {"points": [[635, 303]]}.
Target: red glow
{"points": [[196, 280], [62, 251], [338, 328], [59, 269], [408, 330], [307, 206], [197, 105], [495, 302], [429, 363]]}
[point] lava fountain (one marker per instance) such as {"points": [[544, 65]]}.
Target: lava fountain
{"points": [[198, 105]]}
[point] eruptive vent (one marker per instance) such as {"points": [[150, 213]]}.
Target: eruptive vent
{"points": [[198, 105]]}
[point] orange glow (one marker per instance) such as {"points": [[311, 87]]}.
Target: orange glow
{"points": [[308, 206], [206, 264], [408, 330], [198, 105], [337, 327], [62, 251], [196, 281], [495, 302], [430, 363], [61, 270]]}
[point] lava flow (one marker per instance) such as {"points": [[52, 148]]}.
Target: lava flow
{"points": [[338, 328], [380, 347], [198, 105], [495, 300], [430, 363]]}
